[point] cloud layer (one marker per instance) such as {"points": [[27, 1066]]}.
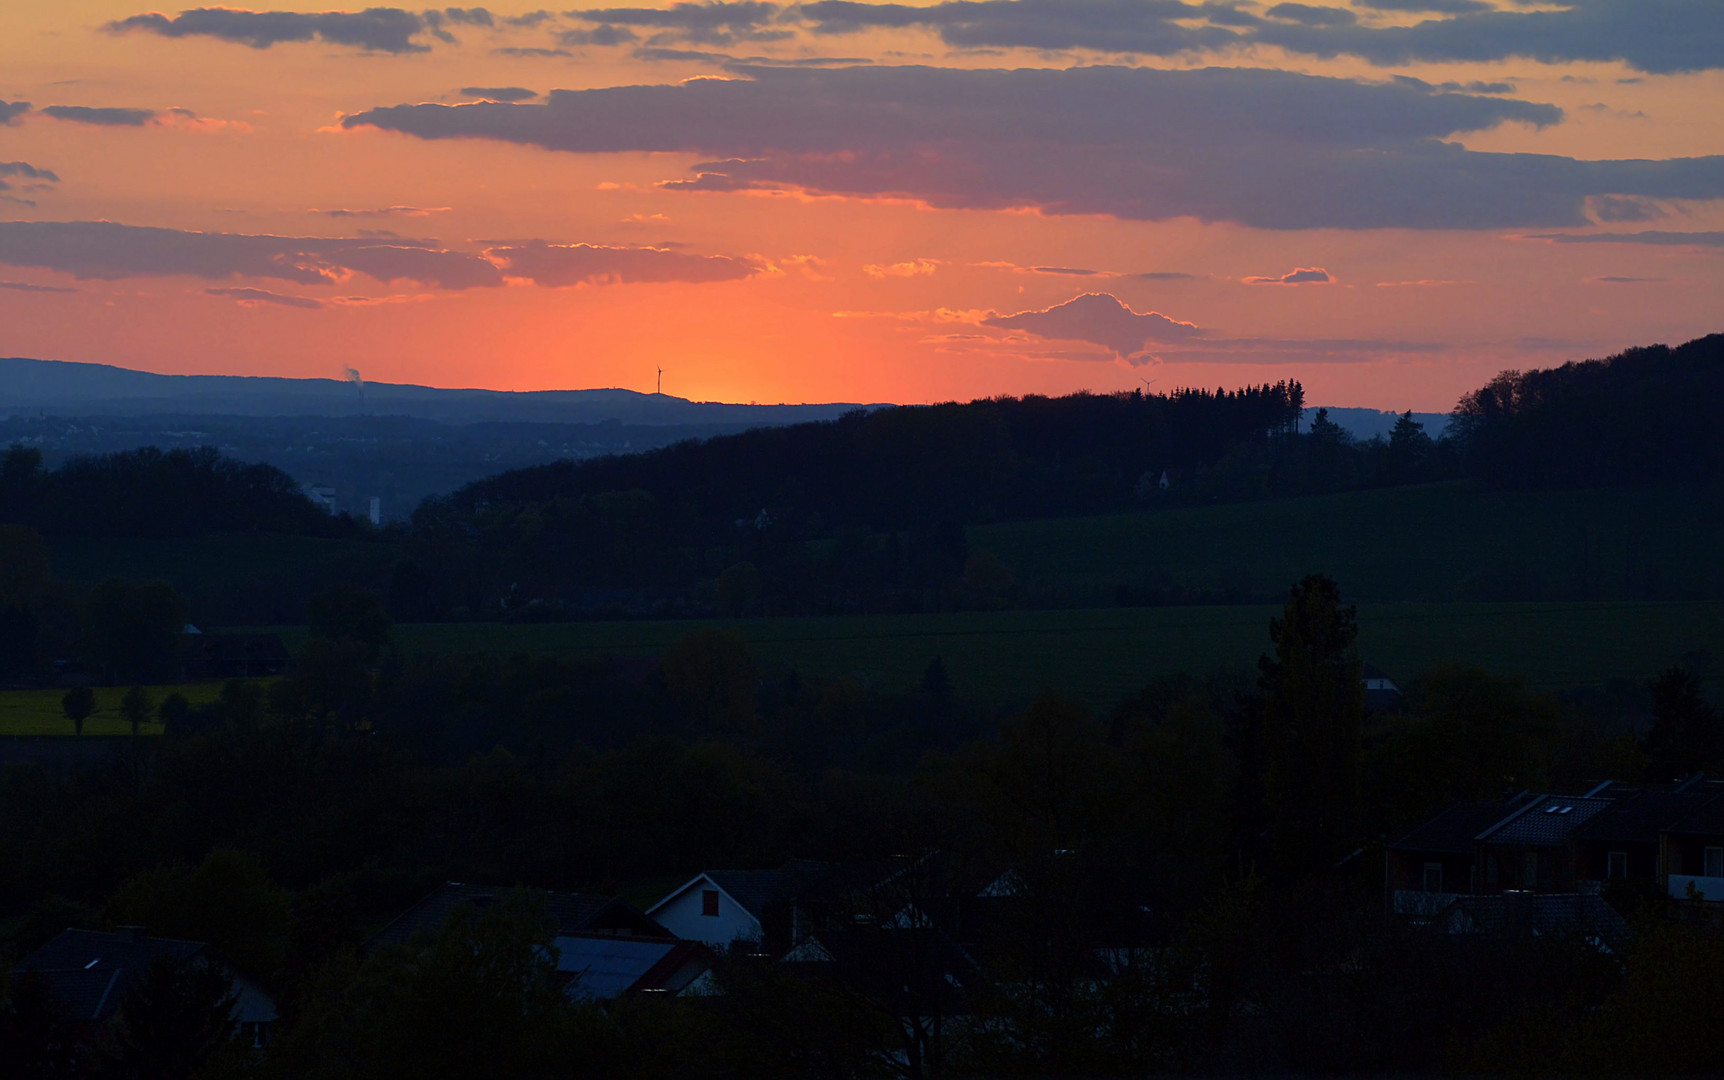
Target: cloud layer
{"points": [[101, 117], [1265, 148], [389, 30], [1661, 36], [106, 251]]}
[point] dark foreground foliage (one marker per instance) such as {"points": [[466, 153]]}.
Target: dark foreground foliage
{"points": [[1165, 913]]}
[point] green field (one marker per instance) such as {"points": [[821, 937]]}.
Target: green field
{"points": [[1102, 655], [1432, 542], [37, 712]]}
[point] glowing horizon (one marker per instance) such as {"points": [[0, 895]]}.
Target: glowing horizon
{"points": [[845, 202]]}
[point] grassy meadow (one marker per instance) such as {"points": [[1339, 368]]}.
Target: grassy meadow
{"points": [[1102, 655], [37, 712], [1434, 542]]}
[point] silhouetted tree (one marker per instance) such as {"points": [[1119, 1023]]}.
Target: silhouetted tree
{"points": [[1409, 451], [78, 703], [136, 707], [1687, 733], [1313, 725], [172, 1019]]}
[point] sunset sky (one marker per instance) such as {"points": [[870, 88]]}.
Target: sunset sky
{"points": [[1390, 200]]}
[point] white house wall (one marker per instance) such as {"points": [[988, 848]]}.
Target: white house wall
{"points": [[681, 915]]}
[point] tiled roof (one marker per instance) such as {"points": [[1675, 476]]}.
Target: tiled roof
{"points": [[1452, 831], [1707, 819], [1639, 818], [606, 968], [1545, 822], [758, 890], [89, 970]]}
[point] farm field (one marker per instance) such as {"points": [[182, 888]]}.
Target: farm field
{"points": [[1432, 542], [37, 712], [1102, 655]]}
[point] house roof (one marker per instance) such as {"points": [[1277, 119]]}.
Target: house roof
{"points": [[1639, 818], [89, 970], [603, 968], [1706, 819], [756, 891], [1453, 831], [573, 913], [1536, 914], [1546, 821]]}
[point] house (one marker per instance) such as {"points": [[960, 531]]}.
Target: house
{"points": [[1381, 693], [1692, 848], [593, 967], [89, 972], [1529, 850], [1427, 869], [1624, 844], [771, 910], [575, 914]]}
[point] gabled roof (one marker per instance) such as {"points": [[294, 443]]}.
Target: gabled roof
{"points": [[603, 968], [573, 913], [1707, 819], [1639, 818], [757, 891], [1453, 831], [1545, 822], [89, 970]]}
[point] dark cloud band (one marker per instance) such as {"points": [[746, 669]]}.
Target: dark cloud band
{"points": [[1265, 148], [390, 30], [100, 117], [106, 251]]}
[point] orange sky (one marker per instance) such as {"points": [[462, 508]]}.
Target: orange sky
{"points": [[861, 295]]}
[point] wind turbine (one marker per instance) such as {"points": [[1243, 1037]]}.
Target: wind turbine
{"points": [[661, 382]]}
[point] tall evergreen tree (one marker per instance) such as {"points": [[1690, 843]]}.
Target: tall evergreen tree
{"points": [[1313, 723], [1687, 733]]}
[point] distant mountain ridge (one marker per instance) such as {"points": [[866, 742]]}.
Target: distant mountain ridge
{"points": [[75, 389], [81, 389]]}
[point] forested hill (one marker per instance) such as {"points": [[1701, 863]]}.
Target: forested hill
{"points": [[152, 493], [1645, 415], [990, 459]]}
